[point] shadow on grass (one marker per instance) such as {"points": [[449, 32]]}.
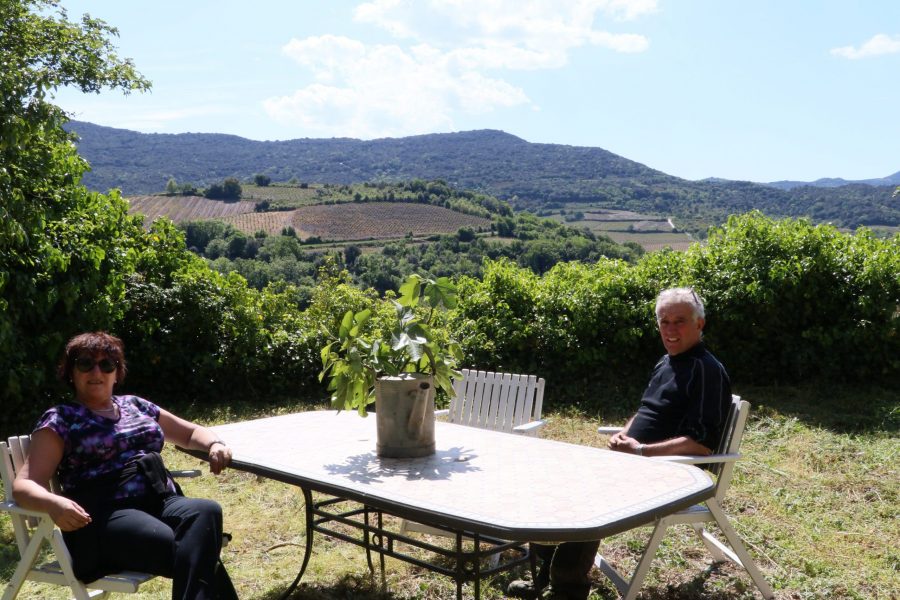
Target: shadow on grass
{"points": [[845, 409], [348, 587], [848, 408], [9, 558], [702, 586]]}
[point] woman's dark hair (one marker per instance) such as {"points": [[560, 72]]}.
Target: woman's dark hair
{"points": [[92, 344]]}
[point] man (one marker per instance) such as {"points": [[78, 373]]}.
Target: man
{"points": [[683, 411]]}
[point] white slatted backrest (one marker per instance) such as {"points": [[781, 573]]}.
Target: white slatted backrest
{"points": [[13, 457], [731, 443], [7, 470], [498, 401]]}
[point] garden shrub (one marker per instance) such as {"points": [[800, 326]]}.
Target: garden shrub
{"points": [[795, 301], [786, 302]]}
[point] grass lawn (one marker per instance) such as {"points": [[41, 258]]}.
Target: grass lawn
{"points": [[814, 498]]}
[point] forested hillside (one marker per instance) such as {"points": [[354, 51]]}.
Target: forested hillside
{"points": [[529, 176]]}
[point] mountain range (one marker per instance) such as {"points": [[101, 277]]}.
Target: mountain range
{"points": [[837, 182], [528, 175]]}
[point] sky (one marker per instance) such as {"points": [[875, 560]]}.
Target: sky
{"points": [[755, 90]]}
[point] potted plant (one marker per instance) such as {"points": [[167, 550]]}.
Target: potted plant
{"points": [[397, 367]]}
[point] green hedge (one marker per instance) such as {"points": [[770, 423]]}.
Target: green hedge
{"points": [[786, 301]]}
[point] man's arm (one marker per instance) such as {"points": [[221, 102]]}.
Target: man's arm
{"points": [[622, 442]]}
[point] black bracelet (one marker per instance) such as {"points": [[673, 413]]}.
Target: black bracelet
{"points": [[214, 442]]}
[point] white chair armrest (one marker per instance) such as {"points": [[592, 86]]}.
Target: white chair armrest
{"points": [[186, 473], [442, 412], [529, 427], [700, 460], [12, 507], [609, 429]]}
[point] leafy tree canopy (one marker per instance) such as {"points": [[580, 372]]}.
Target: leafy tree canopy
{"points": [[62, 249]]}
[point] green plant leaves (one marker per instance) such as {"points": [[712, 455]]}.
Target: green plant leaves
{"points": [[406, 342]]}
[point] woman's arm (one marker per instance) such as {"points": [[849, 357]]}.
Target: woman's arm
{"points": [[195, 437], [31, 488]]}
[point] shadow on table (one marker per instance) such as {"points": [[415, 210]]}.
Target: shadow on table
{"points": [[369, 468]]}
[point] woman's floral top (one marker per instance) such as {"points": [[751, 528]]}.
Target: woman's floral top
{"points": [[97, 446]]}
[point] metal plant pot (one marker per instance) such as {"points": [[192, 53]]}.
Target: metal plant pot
{"points": [[404, 415]]}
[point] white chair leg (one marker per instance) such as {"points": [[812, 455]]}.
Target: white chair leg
{"points": [[28, 558], [612, 574], [737, 545], [630, 589], [65, 564], [720, 552]]}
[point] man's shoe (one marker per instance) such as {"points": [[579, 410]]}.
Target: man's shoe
{"points": [[550, 593], [521, 588]]}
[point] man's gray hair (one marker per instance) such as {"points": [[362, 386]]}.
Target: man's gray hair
{"points": [[681, 295]]}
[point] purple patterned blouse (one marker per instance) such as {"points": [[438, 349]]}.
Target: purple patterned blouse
{"points": [[96, 446]]}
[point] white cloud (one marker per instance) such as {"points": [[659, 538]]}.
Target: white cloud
{"points": [[531, 23], [385, 90], [449, 59], [876, 46]]}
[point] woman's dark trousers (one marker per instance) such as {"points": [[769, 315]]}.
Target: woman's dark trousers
{"points": [[172, 536]]}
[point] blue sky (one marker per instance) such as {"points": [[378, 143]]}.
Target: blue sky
{"points": [[757, 90]]}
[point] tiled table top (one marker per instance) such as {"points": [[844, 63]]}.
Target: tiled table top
{"points": [[508, 485]]}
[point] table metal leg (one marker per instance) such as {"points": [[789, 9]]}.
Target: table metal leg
{"points": [[476, 539], [329, 517], [368, 545], [381, 552], [460, 566], [307, 500]]}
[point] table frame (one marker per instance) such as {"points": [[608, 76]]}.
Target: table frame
{"points": [[368, 520], [376, 537]]}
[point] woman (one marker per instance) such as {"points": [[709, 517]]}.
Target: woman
{"points": [[120, 509]]}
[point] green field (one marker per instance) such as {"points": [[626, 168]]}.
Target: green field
{"points": [[282, 194], [285, 195], [651, 232]]}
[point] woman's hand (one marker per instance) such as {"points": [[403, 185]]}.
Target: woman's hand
{"points": [[219, 457], [68, 514]]}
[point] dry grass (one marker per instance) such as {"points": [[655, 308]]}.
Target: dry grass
{"points": [[815, 498]]}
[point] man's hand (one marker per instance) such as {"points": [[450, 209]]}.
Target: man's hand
{"points": [[620, 442]]}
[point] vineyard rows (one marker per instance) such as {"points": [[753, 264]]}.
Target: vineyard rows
{"points": [[185, 208], [278, 193], [345, 221], [379, 220], [270, 222]]}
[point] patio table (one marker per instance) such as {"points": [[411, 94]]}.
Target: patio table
{"points": [[487, 488]]}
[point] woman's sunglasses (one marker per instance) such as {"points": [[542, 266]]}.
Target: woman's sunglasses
{"points": [[86, 365]]}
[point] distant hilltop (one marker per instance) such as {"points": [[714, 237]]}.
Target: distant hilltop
{"points": [[528, 175], [831, 182]]}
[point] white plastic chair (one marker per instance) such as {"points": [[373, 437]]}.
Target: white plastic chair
{"points": [[499, 401], [32, 528], [721, 465]]}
